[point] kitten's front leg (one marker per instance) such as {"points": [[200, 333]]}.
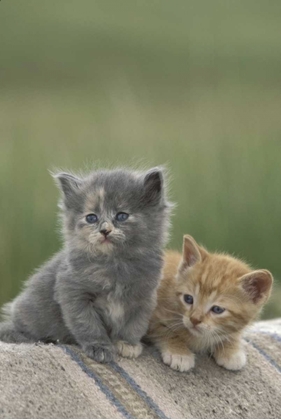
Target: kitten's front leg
{"points": [[129, 336], [90, 333], [231, 355], [174, 350], [86, 325]]}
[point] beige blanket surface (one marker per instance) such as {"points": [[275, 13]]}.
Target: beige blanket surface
{"points": [[47, 381]]}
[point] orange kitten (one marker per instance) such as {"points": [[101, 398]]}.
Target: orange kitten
{"points": [[204, 303]]}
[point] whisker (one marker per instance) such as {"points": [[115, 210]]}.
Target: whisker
{"points": [[173, 312]]}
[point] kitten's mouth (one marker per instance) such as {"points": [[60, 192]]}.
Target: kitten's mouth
{"points": [[195, 330], [106, 241]]}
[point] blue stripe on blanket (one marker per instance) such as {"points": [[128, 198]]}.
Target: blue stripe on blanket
{"points": [[98, 381], [140, 391]]}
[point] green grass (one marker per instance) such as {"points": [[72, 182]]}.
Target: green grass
{"points": [[191, 84]]}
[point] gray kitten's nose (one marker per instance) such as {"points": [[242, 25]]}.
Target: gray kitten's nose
{"points": [[105, 232]]}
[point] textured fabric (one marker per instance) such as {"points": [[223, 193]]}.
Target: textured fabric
{"points": [[47, 381]]}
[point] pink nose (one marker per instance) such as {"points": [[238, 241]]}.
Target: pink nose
{"points": [[195, 321]]}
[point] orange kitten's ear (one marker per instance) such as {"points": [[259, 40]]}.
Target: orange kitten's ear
{"points": [[190, 252], [258, 285]]}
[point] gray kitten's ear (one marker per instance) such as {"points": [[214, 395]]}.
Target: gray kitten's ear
{"points": [[153, 186], [68, 184], [257, 285]]}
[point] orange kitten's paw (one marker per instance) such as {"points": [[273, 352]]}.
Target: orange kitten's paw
{"points": [[180, 362], [127, 350], [234, 362]]}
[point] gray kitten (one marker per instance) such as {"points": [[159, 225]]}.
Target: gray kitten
{"points": [[100, 290]]}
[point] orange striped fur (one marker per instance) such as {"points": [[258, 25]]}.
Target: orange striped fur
{"points": [[179, 329]]}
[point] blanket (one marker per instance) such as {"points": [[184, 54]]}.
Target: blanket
{"points": [[59, 381]]}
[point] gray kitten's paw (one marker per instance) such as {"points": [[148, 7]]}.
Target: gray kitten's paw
{"points": [[99, 354], [127, 350]]}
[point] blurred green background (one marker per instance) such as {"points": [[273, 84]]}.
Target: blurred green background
{"points": [[193, 84]]}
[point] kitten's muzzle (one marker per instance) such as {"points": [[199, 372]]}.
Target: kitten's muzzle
{"points": [[105, 228]]}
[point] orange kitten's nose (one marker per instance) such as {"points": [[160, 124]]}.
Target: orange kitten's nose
{"points": [[195, 321]]}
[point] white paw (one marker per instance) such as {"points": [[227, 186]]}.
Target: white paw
{"points": [[180, 362], [234, 362], [127, 350]]}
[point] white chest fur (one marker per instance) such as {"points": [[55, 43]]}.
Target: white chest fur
{"points": [[114, 308]]}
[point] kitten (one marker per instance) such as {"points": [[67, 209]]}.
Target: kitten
{"points": [[100, 290], [204, 303]]}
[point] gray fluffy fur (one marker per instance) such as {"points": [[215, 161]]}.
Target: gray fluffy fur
{"points": [[92, 293]]}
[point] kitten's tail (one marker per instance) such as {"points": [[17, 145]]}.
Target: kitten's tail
{"points": [[9, 334], [8, 331], [6, 311]]}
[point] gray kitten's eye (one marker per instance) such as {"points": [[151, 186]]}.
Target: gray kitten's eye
{"points": [[217, 310], [91, 218], [188, 299], [121, 217]]}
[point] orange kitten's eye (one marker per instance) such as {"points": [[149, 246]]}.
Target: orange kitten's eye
{"points": [[188, 299], [217, 310]]}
